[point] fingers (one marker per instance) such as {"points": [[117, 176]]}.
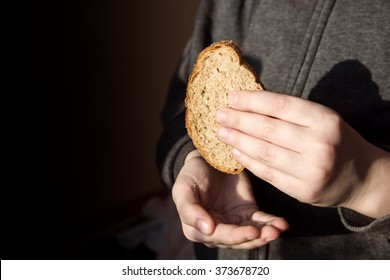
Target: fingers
{"points": [[260, 217], [258, 234], [277, 105], [275, 156], [282, 180], [290, 142], [274, 149], [264, 145], [278, 132], [224, 234]]}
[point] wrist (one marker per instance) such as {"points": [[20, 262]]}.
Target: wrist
{"points": [[372, 196], [193, 154]]}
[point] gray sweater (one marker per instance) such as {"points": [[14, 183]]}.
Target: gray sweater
{"points": [[334, 52]]}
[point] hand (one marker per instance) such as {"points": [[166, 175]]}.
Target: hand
{"points": [[219, 209], [307, 151]]}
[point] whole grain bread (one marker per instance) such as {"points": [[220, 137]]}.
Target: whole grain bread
{"points": [[219, 70]]}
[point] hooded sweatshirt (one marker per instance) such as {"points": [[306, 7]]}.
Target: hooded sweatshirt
{"points": [[333, 52]]}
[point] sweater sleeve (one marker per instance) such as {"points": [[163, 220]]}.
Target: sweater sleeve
{"points": [[174, 144], [357, 222]]}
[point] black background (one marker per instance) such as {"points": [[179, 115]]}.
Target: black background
{"points": [[84, 85]]}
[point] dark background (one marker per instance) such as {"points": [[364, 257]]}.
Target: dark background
{"points": [[84, 88]]}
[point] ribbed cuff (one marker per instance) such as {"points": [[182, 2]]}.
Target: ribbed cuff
{"points": [[175, 160], [357, 222]]}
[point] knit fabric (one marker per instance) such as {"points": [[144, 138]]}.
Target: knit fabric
{"points": [[336, 53]]}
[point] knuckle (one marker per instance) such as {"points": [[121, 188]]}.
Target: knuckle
{"points": [[315, 184], [267, 130], [320, 174], [332, 117], [264, 152], [281, 104], [234, 139], [326, 157], [332, 124], [328, 151], [322, 163], [231, 117], [267, 174]]}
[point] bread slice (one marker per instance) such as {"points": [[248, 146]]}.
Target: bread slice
{"points": [[219, 70]]}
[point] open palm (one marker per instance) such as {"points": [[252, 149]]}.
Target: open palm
{"points": [[219, 209]]}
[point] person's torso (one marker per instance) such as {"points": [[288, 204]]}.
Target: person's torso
{"points": [[332, 52]]}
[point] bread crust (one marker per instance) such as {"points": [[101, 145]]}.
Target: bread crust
{"points": [[190, 116], [216, 45]]}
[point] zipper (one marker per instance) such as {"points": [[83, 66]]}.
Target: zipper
{"points": [[310, 43]]}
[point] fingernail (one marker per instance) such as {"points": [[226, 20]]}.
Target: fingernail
{"points": [[233, 96], [202, 226], [222, 132], [220, 116]]}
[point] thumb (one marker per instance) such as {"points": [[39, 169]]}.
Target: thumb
{"points": [[186, 198], [196, 216]]}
